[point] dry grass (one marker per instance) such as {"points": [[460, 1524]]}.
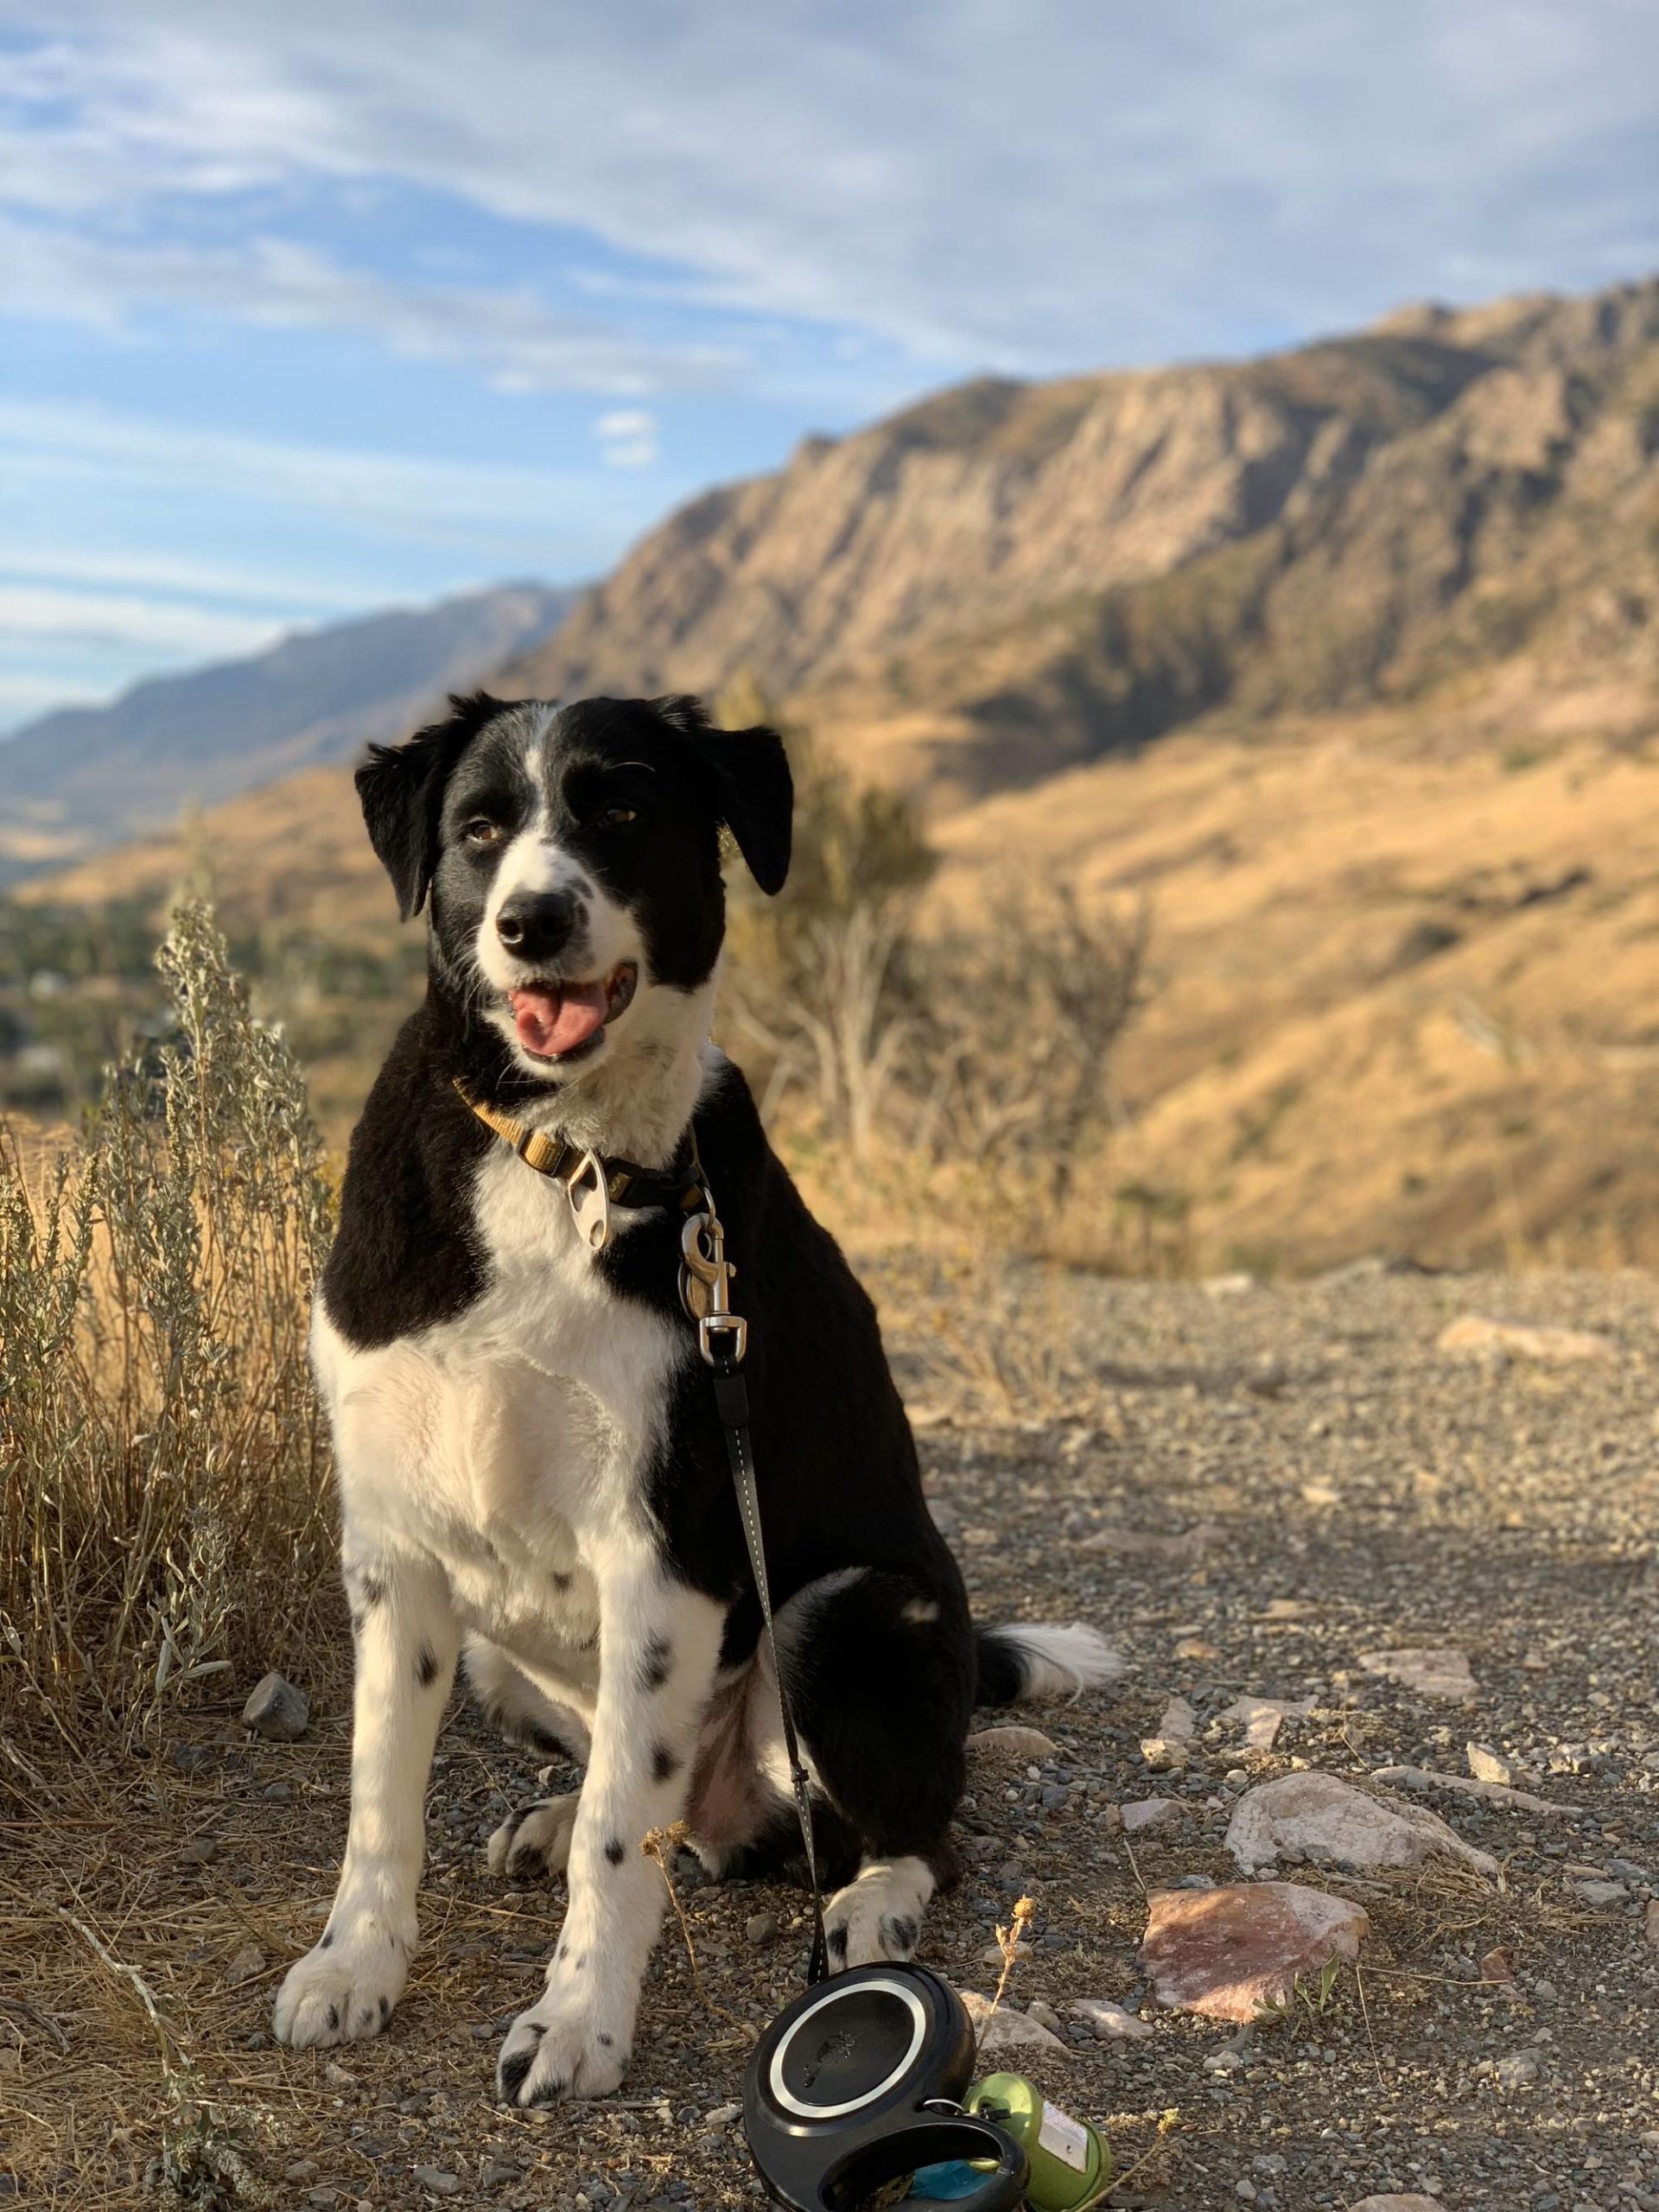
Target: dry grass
{"points": [[166, 1512]]}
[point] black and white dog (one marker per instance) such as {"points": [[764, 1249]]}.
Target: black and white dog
{"points": [[531, 1463]]}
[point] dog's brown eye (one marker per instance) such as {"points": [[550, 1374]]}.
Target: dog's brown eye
{"points": [[618, 817], [483, 834]]}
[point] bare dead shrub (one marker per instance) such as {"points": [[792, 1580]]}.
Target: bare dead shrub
{"points": [[989, 1045], [165, 1507]]}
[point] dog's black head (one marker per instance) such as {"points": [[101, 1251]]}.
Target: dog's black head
{"points": [[571, 855]]}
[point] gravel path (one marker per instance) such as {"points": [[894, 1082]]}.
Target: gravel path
{"points": [[1248, 1489]]}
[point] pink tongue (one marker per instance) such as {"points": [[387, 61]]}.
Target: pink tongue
{"points": [[557, 1022]]}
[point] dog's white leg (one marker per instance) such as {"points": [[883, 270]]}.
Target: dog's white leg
{"points": [[406, 1640], [660, 1646]]}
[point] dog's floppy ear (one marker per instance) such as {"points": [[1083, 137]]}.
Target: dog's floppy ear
{"points": [[402, 786], [753, 791]]}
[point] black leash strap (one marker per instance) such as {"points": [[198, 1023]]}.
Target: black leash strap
{"points": [[732, 1402], [723, 1339]]}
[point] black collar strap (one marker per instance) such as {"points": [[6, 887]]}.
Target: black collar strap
{"points": [[627, 1184]]}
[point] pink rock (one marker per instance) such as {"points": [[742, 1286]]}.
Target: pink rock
{"points": [[1226, 1953]]}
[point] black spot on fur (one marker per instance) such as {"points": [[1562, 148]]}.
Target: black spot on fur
{"points": [[837, 1942], [334, 2018], [605, 2041], [898, 1933], [544, 1740], [551, 2092], [426, 1666], [561, 1583], [514, 2066], [325, 1939], [385, 2008], [663, 1765], [615, 1851], [371, 1590], [653, 1666], [365, 2019]]}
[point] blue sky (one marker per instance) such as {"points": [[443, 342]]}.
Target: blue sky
{"points": [[311, 309]]}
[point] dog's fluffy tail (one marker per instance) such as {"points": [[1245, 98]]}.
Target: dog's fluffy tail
{"points": [[1028, 1660]]}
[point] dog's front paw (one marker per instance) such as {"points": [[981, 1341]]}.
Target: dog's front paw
{"points": [[535, 1840], [344, 1988], [878, 1916], [559, 2048]]}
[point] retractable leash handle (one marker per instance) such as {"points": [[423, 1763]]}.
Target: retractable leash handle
{"points": [[860, 2083]]}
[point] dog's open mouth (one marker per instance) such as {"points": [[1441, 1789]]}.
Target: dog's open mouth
{"points": [[553, 1019]]}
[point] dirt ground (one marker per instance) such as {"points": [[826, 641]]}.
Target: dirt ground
{"points": [[1247, 1488]]}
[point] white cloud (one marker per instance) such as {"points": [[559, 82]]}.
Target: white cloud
{"points": [[54, 443], [162, 625], [517, 341], [627, 438], [1061, 182]]}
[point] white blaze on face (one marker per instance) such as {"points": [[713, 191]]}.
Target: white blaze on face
{"points": [[537, 864]]}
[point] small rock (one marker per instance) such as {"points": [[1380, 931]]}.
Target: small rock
{"points": [[1326, 1818], [496, 2176], [1498, 1965], [337, 2076], [1481, 1333], [1598, 1894], [278, 1793], [1020, 1746], [1488, 1765], [434, 2178], [722, 2115], [278, 1710], [1224, 1953], [1263, 1717], [1149, 1813], [1409, 2203], [992, 1954], [1650, 1922], [247, 1963], [1045, 2015], [1165, 1754], [1180, 1722], [1111, 2023], [1435, 1670], [1196, 1647], [1228, 1286], [1517, 2070], [302, 2170], [1002, 2030], [190, 1758], [1492, 1793], [198, 1852], [760, 1928]]}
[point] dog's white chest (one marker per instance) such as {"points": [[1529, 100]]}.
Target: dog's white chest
{"points": [[512, 1443]]}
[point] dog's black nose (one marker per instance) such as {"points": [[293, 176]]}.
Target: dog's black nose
{"points": [[537, 925]]}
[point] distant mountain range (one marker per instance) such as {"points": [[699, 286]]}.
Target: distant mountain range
{"points": [[88, 776], [1010, 579]]}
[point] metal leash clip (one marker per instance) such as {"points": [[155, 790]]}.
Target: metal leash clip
{"points": [[590, 1200], [705, 1277]]}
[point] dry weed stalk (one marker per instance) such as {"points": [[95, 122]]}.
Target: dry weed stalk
{"points": [[1007, 1942], [166, 1508]]}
